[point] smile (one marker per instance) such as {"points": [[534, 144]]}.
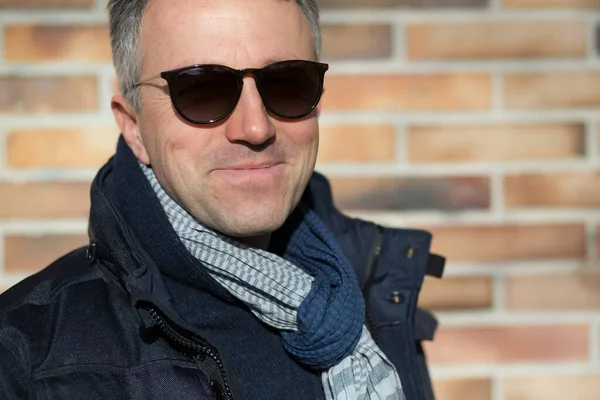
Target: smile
{"points": [[252, 173]]}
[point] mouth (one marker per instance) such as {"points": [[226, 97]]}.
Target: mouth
{"points": [[252, 167], [252, 173]]}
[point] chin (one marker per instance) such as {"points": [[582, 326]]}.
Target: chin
{"points": [[251, 221], [254, 227]]}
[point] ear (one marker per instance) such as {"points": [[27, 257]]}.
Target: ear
{"points": [[127, 121]]}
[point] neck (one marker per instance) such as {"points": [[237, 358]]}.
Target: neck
{"points": [[259, 242]]}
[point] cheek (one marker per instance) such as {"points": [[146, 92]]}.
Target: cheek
{"points": [[166, 131], [303, 135], [156, 120], [310, 139]]}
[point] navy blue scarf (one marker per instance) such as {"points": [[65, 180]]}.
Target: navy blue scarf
{"points": [[331, 318]]}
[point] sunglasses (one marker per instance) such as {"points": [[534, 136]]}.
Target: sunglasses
{"points": [[207, 93]]}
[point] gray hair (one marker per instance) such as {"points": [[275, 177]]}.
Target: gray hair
{"points": [[125, 22]]}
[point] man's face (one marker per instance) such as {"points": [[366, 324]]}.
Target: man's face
{"points": [[244, 175]]}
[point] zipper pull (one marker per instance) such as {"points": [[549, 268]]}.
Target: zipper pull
{"points": [[90, 253]]}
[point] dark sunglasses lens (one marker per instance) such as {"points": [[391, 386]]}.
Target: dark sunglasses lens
{"points": [[205, 94], [291, 89]]}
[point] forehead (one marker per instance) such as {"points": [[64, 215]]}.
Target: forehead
{"points": [[237, 33]]}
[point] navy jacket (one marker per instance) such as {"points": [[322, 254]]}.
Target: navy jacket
{"points": [[134, 316]]}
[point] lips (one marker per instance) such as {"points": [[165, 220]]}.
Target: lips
{"points": [[250, 166], [263, 174]]}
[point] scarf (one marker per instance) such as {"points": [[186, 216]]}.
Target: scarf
{"points": [[310, 294]]}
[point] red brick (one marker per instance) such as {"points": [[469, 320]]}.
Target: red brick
{"points": [[61, 148], [509, 242], [351, 143], [356, 41], [452, 293], [45, 3], [412, 92], [496, 40], [553, 292], [509, 344], [550, 90], [48, 94], [451, 193], [567, 189], [24, 254], [44, 200], [551, 3], [27, 43], [506, 142], [553, 387], [462, 389]]}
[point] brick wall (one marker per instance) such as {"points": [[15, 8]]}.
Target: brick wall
{"points": [[474, 119]]}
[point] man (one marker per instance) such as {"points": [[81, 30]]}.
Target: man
{"points": [[217, 268]]}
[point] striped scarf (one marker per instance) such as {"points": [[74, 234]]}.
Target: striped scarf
{"points": [[311, 295]]}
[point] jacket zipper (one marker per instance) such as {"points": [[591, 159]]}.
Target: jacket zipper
{"points": [[199, 349], [371, 270]]}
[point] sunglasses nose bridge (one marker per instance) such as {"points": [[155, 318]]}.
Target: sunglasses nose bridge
{"points": [[253, 72]]}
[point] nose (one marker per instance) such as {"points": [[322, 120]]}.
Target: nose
{"points": [[249, 122]]}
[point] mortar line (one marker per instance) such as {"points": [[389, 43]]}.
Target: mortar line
{"points": [[48, 175], [2, 44], [453, 170], [541, 320], [497, 188], [435, 15], [398, 42], [591, 47], [594, 343], [415, 218], [105, 93], [541, 269], [497, 92], [356, 117], [507, 371], [498, 293], [457, 118], [351, 66], [34, 227], [495, 6], [591, 139], [100, 5], [92, 16], [591, 240], [402, 143], [497, 386]]}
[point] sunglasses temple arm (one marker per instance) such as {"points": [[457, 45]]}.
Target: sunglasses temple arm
{"points": [[146, 80]]}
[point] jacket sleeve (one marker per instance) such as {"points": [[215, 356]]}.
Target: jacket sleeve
{"points": [[14, 375]]}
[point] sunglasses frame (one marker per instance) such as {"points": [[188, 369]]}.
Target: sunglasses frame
{"points": [[239, 75]]}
